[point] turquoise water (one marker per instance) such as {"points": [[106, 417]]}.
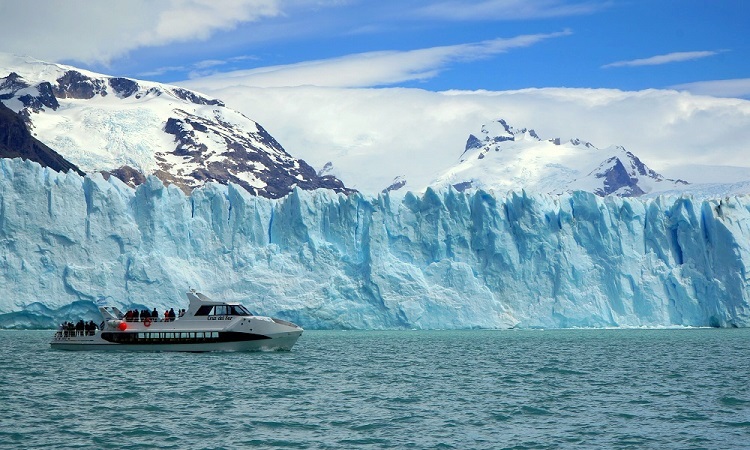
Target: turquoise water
{"points": [[661, 389]]}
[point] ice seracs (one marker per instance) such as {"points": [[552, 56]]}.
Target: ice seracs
{"points": [[206, 326], [442, 259]]}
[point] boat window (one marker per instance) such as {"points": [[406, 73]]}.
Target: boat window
{"points": [[223, 310], [242, 311], [204, 310], [238, 310]]}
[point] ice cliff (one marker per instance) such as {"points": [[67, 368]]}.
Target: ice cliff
{"points": [[440, 260]]}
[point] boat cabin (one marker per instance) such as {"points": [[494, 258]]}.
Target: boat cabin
{"points": [[222, 310], [202, 306]]}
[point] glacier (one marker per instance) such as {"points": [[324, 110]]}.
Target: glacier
{"points": [[437, 260]]}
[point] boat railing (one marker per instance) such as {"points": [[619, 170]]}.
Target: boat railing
{"points": [[150, 319], [74, 333]]}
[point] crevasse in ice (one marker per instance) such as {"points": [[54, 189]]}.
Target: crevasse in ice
{"points": [[442, 259]]}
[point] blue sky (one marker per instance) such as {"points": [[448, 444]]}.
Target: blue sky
{"points": [[433, 45]]}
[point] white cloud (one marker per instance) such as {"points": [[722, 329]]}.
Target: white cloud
{"points": [[198, 69], [664, 59], [372, 68], [718, 88], [93, 31], [186, 20], [508, 9], [374, 135]]}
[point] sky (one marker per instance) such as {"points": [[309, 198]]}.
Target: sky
{"points": [[700, 46], [359, 82]]}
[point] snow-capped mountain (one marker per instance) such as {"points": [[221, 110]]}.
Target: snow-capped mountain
{"points": [[504, 158], [131, 129], [17, 142]]}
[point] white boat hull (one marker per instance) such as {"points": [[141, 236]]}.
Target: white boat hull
{"points": [[283, 342]]}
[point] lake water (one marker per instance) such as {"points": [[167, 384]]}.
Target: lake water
{"points": [[678, 389]]}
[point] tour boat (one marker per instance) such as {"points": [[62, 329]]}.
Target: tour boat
{"points": [[205, 326]]}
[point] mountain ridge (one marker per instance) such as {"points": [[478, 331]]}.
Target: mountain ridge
{"points": [[131, 129], [504, 158]]}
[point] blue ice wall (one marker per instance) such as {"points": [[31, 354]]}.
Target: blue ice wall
{"points": [[325, 260]]}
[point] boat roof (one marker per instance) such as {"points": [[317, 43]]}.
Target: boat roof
{"points": [[196, 297]]}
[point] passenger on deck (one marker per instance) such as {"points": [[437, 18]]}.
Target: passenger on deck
{"points": [[155, 315], [171, 314]]}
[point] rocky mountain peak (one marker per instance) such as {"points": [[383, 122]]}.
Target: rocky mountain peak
{"points": [[622, 174], [502, 157], [493, 134], [131, 129]]}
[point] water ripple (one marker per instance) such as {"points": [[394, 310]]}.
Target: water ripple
{"points": [[470, 389]]}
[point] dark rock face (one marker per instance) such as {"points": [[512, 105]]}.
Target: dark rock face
{"points": [[484, 145], [76, 85], [642, 169], [192, 97], [123, 87], [464, 185], [17, 142], [472, 143], [253, 160], [397, 184], [174, 126], [508, 128], [586, 144], [45, 98], [151, 91], [11, 84], [127, 174], [616, 178]]}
